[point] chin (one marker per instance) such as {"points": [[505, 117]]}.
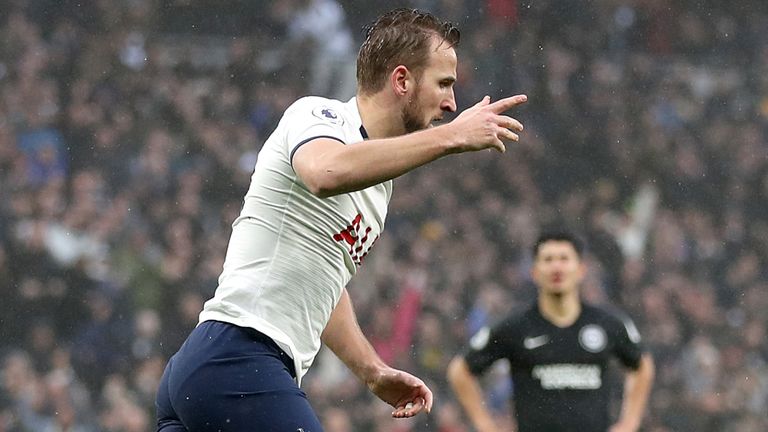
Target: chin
{"points": [[557, 290], [427, 123]]}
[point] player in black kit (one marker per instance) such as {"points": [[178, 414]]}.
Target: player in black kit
{"points": [[558, 351]]}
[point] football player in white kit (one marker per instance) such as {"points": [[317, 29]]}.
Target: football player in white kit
{"points": [[316, 205]]}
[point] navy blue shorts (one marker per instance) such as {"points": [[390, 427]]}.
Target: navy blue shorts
{"points": [[232, 379]]}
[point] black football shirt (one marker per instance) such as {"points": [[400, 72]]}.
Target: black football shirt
{"points": [[559, 374]]}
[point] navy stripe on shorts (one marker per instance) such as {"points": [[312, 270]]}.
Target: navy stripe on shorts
{"points": [[227, 378]]}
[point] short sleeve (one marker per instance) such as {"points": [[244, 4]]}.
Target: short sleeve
{"points": [[487, 346], [629, 348], [311, 118]]}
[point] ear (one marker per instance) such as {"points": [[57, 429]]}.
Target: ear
{"points": [[401, 80]]}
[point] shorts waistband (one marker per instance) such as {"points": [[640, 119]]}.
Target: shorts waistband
{"points": [[260, 337]]}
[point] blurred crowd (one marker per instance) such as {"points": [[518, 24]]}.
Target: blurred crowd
{"points": [[129, 129]]}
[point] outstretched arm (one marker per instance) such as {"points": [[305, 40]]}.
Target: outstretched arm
{"points": [[637, 387], [467, 390], [406, 393], [328, 167]]}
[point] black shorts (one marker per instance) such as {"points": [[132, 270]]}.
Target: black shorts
{"points": [[232, 379]]}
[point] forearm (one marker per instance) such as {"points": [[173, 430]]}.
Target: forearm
{"points": [[637, 387], [468, 392], [335, 169], [343, 336]]}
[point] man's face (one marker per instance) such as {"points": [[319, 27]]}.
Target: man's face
{"points": [[557, 268], [433, 95]]}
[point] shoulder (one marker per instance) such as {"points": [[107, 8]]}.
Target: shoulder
{"points": [[613, 318], [518, 318], [602, 312], [311, 101], [321, 109]]}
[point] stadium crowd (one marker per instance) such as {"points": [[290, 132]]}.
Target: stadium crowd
{"points": [[129, 129]]}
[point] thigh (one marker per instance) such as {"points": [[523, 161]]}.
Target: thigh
{"points": [[226, 380]]}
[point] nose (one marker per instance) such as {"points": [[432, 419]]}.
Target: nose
{"points": [[449, 103]]}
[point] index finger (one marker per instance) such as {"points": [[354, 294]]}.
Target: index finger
{"points": [[505, 104]]}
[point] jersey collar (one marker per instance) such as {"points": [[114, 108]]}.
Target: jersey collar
{"points": [[353, 109]]}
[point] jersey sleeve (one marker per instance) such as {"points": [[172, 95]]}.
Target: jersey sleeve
{"points": [[488, 345], [628, 346], [311, 118]]}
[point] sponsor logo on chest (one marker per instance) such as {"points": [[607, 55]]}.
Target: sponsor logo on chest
{"points": [[568, 376], [357, 239]]}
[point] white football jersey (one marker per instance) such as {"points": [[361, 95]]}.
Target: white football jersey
{"points": [[291, 253]]}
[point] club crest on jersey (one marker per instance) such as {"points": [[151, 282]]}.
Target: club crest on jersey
{"points": [[328, 114], [593, 338]]}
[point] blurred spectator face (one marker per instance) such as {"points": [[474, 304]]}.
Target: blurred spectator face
{"points": [[147, 376], [147, 323], [449, 419], [337, 420], [190, 306], [557, 269], [17, 373], [431, 329], [754, 334], [42, 337]]}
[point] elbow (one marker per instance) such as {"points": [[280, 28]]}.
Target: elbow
{"points": [[323, 185], [650, 367], [319, 190], [645, 373], [324, 191]]}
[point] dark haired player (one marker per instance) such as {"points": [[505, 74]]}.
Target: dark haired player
{"points": [[558, 351]]}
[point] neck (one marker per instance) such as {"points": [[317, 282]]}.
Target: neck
{"points": [[379, 119], [561, 310]]}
